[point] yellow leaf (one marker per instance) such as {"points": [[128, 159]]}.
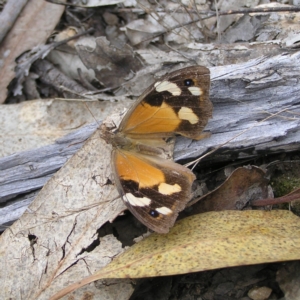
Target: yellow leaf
{"points": [[207, 241]]}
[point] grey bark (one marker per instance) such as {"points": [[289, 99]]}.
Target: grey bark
{"points": [[256, 111]]}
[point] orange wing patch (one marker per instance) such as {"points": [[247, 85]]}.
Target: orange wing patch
{"points": [[147, 118], [131, 167]]}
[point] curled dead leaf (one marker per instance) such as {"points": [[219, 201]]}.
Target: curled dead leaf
{"points": [[243, 185]]}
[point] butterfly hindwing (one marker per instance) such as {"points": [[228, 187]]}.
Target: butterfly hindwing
{"points": [[153, 189]]}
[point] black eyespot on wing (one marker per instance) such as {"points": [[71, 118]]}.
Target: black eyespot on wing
{"points": [[189, 82], [153, 213]]}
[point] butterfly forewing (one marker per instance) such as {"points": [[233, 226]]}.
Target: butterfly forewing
{"points": [[177, 103]]}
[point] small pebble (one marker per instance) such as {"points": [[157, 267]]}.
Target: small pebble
{"points": [[260, 293]]}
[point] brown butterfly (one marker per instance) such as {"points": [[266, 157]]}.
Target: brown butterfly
{"points": [[154, 188]]}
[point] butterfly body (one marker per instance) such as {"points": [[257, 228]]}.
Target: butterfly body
{"points": [[154, 188]]}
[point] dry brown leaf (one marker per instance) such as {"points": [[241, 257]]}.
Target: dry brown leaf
{"points": [[112, 65], [32, 28], [66, 59], [207, 241], [69, 63], [242, 186]]}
